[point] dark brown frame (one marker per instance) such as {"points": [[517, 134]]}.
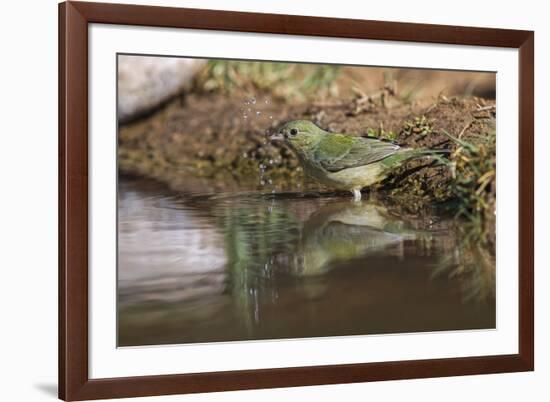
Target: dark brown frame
{"points": [[74, 17]]}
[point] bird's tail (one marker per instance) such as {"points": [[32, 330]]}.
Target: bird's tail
{"points": [[405, 154], [418, 153], [427, 151]]}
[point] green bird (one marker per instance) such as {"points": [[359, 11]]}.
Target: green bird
{"points": [[342, 161]]}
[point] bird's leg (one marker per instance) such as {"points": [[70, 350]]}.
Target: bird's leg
{"points": [[356, 194]]}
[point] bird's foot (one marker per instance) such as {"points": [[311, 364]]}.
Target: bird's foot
{"points": [[356, 195]]}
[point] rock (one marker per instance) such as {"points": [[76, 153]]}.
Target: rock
{"points": [[144, 83]]}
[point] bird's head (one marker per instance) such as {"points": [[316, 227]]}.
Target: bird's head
{"points": [[299, 134]]}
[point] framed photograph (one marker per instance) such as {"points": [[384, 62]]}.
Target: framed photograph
{"points": [[260, 200]]}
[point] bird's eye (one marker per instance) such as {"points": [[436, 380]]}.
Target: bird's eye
{"points": [[293, 131]]}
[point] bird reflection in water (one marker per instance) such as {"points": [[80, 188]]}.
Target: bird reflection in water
{"points": [[342, 231], [210, 268]]}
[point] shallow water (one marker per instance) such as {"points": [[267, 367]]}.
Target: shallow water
{"points": [[200, 267]]}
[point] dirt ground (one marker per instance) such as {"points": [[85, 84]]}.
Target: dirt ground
{"points": [[221, 142]]}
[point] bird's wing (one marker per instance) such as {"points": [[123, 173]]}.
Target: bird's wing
{"points": [[337, 151]]}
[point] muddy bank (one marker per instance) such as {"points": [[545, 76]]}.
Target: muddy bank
{"points": [[215, 141]]}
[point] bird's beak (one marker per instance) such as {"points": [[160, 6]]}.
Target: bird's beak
{"points": [[277, 137]]}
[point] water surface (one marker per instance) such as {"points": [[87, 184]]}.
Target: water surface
{"points": [[207, 267]]}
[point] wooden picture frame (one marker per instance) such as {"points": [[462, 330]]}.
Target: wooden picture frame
{"points": [[74, 381]]}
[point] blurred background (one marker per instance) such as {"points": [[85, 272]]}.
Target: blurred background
{"points": [[146, 82]]}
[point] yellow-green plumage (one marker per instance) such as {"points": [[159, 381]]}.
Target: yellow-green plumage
{"points": [[342, 161]]}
